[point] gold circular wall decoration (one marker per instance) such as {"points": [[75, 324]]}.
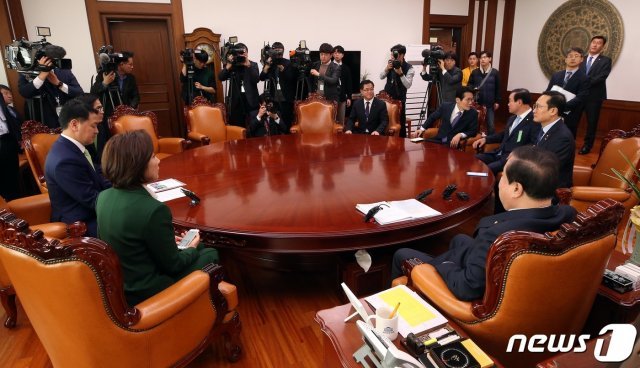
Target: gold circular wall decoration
{"points": [[573, 24]]}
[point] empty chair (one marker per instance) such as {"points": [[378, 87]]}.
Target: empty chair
{"points": [[206, 123], [316, 114]]}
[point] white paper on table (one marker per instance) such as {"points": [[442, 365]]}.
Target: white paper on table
{"points": [[168, 195]]}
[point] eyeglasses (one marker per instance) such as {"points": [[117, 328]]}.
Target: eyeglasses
{"points": [[538, 106]]}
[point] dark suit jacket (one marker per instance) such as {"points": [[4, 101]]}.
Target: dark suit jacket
{"points": [[330, 78], [14, 122], [489, 93], [560, 141], [378, 117], [578, 84], [468, 123], [129, 94], [139, 229], [73, 185], [48, 93], [9, 150], [509, 142], [345, 85], [250, 77], [257, 128], [598, 73], [463, 266]]}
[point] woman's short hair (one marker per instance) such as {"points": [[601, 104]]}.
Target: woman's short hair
{"points": [[125, 158]]}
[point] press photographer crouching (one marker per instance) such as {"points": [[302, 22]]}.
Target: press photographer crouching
{"points": [[242, 88], [196, 78], [280, 79], [266, 120]]}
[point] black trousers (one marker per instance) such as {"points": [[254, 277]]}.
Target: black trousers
{"points": [[9, 167], [592, 109]]}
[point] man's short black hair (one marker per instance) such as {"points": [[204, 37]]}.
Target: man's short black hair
{"points": [[556, 99], [522, 94], [600, 37], [88, 98], [536, 169], [326, 48], [574, 49], [364, 82], [472, 53], [126, 55], [75, 108], [240, 44], [3, 87], [402, 49], [450, 55], [201, 55], [488, 53], [339, 49], [277, 45], [460, 91]]}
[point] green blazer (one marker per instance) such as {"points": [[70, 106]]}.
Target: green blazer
{"points": [[139, 229]]}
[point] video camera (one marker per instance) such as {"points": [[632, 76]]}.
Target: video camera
{"points": [[109, 60], [396, 63], [23, 55], [232, 48], [187, 56], [267, 52], [301, 58], [431, 57]]}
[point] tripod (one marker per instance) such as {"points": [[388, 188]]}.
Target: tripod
{"points": [[301, 84], [427, 98], [190, 72]]}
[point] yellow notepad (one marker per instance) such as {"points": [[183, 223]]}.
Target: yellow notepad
{"points": [[410, 309]]}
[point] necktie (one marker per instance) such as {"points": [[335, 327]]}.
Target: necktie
{"points": [[539, 137], [456, 119], [589, 61], [366, 111], [566, 77], [88, 157], [515, 124]]}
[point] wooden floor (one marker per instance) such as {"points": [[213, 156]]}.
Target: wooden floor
{"points": [[277, 310]]}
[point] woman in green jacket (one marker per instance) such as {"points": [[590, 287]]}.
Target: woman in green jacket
{"points": [[137, 226]]}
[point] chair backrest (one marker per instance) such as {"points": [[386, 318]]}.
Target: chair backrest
{"points": [[316, 114], [615, 142], [544, 284], [482, 117], [126, 118], [394, 107], [206, 118], [38, 139]]}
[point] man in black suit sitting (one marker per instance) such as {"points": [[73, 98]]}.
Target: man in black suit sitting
{"points": [[368, 114], [527, 187], [458, 120], [516, 134]]}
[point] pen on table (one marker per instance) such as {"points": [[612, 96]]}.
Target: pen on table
{"points": [[393, 312]]}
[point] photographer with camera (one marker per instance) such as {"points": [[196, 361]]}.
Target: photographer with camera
{"points": [[196, 78], [450, 78], [266, 120], [243, 76], [53, 87], [326, 74], [486, 83], [399, 76], [119, 82], [280, 79]]}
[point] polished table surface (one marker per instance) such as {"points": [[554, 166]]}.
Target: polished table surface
{"points": [[297, 193]]}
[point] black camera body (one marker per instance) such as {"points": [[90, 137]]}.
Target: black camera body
{"points": [[187, 56], [23, 56], [231, 48], [301, 58], [395, 62], [431, 57], [109, 59], [267, 52]]}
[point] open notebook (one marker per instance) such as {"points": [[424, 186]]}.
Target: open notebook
{"points": [[396, 211]]}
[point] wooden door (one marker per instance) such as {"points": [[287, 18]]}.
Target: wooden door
{"points": [[154, 68]]}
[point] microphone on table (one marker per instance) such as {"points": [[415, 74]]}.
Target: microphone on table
{"points": [[194, 198], [424, 194]]}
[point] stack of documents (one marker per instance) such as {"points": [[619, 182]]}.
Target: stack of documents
{"points": [[165, 190], [395, 211], [414, 314]]}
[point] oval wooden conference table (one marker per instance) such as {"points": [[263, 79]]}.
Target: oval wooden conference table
{"points": [[297, 193]]}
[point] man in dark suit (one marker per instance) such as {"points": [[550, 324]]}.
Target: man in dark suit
{"points": [[574, 80], [553, 135], [10, 137], [280, 82], [516, 134], [74, 180], [527, 186], [244, 76], [326, 75], [344, 84], [450, 78], [458, 120], [597, 67], [369, 115], [48, 92], [266, 120]]}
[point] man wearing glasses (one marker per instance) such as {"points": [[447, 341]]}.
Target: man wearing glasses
{"points": [[368, 114], [242, 93]]}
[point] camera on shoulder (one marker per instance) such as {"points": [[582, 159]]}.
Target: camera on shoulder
{"points": [[23, 55], [109, 59], [431, 57], [234, 51]]}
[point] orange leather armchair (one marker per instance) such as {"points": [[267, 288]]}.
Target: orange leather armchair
{"points": [[535, 283], [35, 210], [38, 139], [316, 114], [206, 123], [73, 294], [126, 118], [394, 108]]}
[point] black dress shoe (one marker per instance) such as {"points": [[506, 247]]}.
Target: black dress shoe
{"points": [[584, 150]]}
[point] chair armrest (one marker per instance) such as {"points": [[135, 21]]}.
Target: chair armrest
{"points": [[34, 209], [172, 145], [172, 300], [427, 279], [199, 137], [594, 194], [52, 230], [581, 175], [295, 129], [337, 128], [235, 132]]}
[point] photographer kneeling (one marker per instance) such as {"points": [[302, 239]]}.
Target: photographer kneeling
{"points": [[266, 120], [450, 78], [194, 64]]}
